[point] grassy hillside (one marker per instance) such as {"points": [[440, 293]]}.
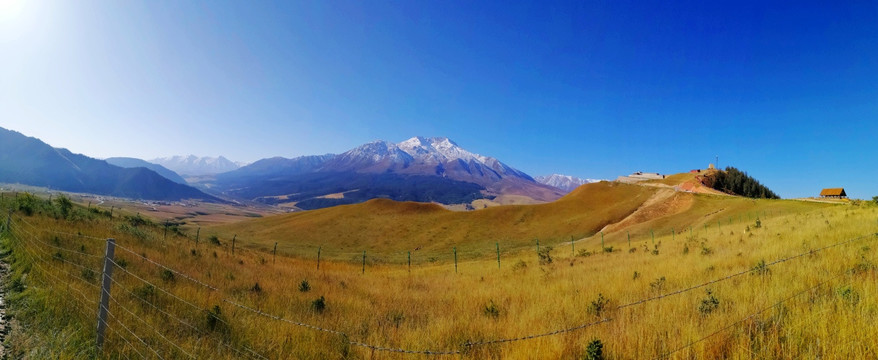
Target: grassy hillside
{"points": [[388, 230], [800, 284], [388, 227]]}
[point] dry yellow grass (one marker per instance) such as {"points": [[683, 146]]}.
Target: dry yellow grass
{"points": [[433, 307]]}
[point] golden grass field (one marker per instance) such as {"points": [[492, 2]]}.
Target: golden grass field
{"points": [[698, 293]]}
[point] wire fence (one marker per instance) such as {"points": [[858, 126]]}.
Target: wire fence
{"points": [[40, 252]]}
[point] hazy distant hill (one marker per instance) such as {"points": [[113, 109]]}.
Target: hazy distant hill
{"points": [[27, 160], [197, 166], [418, 169], [563, 182], [127, 162]]}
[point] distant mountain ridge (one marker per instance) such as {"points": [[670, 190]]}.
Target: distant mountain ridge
{"points": [[127, 162], [197, 166], [418, 169], [563, 182], [28, 160]]}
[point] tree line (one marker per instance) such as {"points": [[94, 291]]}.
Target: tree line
{"points": [[737, 182]]}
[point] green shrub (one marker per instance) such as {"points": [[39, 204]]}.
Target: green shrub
{"points": [[491, 310], [167, 275], [304, 286], [761, 268], [594, 350], [599, 305], [545, 255], [708, 304], [89, 275], [318, 305]]}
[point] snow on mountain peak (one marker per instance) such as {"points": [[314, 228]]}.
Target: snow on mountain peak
{"points": [[563, 182]]}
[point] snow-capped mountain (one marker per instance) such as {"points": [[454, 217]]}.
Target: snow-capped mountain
{"points": [[425, 156], [196, 166], [417, 169], [563, 182]]}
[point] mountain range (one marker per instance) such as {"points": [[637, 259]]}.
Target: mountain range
{"points": [[418, 169], [127, 162], [27, 160], [563, 182], [197, 166]]}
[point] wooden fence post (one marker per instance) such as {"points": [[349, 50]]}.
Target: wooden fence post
{"points": [[274, 252], [105, 293], [8, 219], [233, 243], [455, 259], [498, 255], [364, 261]]}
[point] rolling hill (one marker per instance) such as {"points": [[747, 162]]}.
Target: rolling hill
{"points": [[29, 161], [388, 226]]}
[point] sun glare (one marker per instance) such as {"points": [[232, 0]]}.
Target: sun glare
{"points": [[9, 10]]}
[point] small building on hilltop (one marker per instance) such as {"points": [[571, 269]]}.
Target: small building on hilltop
{"points": [[833, 193]]}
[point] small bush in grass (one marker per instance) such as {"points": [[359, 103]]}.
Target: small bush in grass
{"points": [[318, 305], [167, 275], [304, 286], [145, 292], [213, 239], [761, 268], [520, 265], [16, 285], [491, 310], [256, 288], [545, 255], [658, 285], [849, 295], [89, 275], [708, 304], [608, 249], [594, 350], [584, 253], [598, 305], [706, 250]]}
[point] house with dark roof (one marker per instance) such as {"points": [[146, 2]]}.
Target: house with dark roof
{"points": [[834, 193]]}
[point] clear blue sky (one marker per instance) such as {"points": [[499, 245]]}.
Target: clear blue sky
{"points": [[786, 92]]}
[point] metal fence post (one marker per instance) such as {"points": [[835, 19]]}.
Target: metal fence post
{"points": [[105, 292]]}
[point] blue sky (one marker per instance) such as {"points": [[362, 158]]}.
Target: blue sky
{"points": [[786, 92]]}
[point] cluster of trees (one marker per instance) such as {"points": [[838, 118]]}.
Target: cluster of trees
{"points": [[734, 181]]}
